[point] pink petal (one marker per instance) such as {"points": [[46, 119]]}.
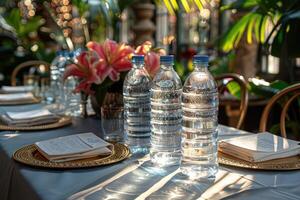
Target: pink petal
{"points": [[84, 87], [144, 48], [82, 58], [96, 47], [103, 71], [122, 65], [72, 70], [114, 75], [152, 63]]}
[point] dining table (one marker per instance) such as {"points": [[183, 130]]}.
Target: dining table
{"points": [[133, 178]]}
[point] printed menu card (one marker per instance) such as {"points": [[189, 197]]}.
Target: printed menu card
{"points": [[74, 147]]}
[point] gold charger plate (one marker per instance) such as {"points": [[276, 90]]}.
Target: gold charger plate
{"points": [[29, 155], [290, 163], [65, 120], [20, 102]]}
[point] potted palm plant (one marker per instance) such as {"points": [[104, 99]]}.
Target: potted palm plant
{"points": [[283, 16]]}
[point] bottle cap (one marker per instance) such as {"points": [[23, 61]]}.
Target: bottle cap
{"points": [[137, 58], [200, 59], [167, 59], [71, 54], [59, 53]]}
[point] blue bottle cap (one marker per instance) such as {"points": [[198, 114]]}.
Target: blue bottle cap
{"points": [[167, 59], [200, 59], [137, 58], [71, 54], [59, 53]]}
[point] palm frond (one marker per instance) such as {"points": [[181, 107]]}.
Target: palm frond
{"points": [[253, 24], [174, 5]]}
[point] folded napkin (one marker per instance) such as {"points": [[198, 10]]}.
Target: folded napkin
{"points": [[29, 118], [259, 147], [74, 147], [16, 89], [16, 97]]}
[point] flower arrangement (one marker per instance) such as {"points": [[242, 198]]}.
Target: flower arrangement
{"points": [[104, 64]]}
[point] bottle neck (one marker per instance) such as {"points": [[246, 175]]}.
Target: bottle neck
{"points": [[167, 66], [201, 67], [138, 65]]}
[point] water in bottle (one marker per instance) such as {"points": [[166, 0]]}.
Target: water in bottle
{"points": [[200, 121], [166, 115], [136, 94], [70, 99], [54, 77]]}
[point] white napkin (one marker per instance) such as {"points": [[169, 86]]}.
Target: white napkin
{"points": [[31, 114], [29, 118], [16, 97], [74, 147], [15, 89], [259, 147]]}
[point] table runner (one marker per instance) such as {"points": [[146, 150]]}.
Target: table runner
{"points": [[134, 178]]}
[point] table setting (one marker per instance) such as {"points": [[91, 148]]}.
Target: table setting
{"points": [[18, 98], [162, 140]]}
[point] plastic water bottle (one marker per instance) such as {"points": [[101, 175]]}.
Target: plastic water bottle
{"points": [[71, 101], [200, 121], [166, 115], [136, 94], [54, 77]]}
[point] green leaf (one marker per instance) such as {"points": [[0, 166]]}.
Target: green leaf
{"points": [[234, 88], [250, 28], [234, 34], [262, 90], [240, 4], [81, 5], [279, 84], [22, 27], [180, 69], [263, 28]]}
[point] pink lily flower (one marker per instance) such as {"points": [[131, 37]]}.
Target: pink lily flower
{"points": [[113, 58], [152, 63], [86, 69]]}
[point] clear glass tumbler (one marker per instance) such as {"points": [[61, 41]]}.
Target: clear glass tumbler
{"points": [[112, 123]]}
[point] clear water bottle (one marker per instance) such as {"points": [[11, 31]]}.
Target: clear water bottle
{"points": [[136, 94], [166, 115], [54, 77], [200, 121], [70, 100]]}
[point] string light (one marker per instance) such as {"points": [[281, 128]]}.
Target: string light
{"points": [[27, 8], [63, 9]]}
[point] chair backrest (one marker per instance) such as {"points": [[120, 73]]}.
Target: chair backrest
{"points": [[292, 92], [27, 64], [244, 93]]}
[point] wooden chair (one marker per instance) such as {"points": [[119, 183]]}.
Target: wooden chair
{"points": [[243, 106], [28, 64], [292, 92]]}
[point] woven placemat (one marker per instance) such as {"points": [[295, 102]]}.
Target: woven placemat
{"points": [[289, 163], [65, 120], [21, 102], [29, 155]]}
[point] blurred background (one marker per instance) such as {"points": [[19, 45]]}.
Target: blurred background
{"points": [[256, 39]]}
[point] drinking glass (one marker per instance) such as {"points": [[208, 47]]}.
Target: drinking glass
{"points": [[112, 123], [32, 80]]}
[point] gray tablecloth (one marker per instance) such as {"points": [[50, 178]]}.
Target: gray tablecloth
{"points": [[134, 178]]}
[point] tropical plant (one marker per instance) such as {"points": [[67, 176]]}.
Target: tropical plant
{"points": [[282, 15], [23, 28]]}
